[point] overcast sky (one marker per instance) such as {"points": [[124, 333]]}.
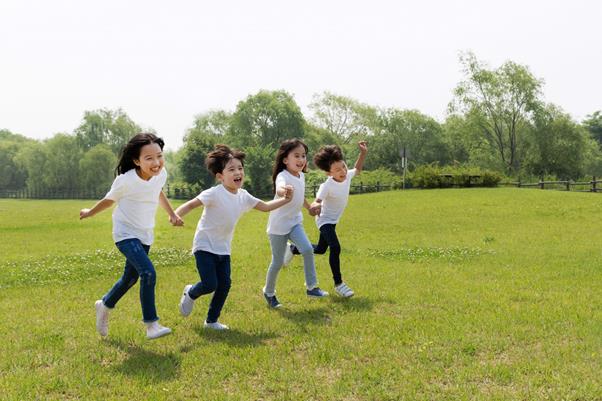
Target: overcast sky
{"points": [[165, 62]]}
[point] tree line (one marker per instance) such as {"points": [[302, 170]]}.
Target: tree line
{"points": [[497, 121]]}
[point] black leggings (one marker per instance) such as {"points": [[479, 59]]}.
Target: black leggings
{"points": [[328, 239]]}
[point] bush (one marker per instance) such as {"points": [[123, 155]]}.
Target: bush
{"points": [[433, 176]]}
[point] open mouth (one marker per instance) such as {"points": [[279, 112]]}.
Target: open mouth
{"points": [[238, 180]]}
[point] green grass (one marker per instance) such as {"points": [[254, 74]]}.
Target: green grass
{"points": [[485, 294]]}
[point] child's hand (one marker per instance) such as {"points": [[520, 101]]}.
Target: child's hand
{"points": [[289, 191], [84, 213], [315, 209], [176, 220], [363, 145]]}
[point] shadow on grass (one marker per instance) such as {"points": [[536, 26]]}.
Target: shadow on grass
{"points": [[353, 304], [307, 316], [235, 337], [145, 364]]}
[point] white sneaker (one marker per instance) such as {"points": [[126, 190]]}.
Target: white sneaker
{"points": [[343, 290], [102, 318], [288, 254], [155, 330], [186, 303], [215, 326]]}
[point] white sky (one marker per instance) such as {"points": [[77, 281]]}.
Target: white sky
{"points": [[165, 62]]}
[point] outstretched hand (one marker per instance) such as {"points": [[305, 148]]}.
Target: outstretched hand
{"points": [[315, 209], [84, 213], [176, 220], [363, 146], [289, 191]]}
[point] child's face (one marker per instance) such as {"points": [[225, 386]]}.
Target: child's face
{"points": [[338, 171], [233, 175], [296, 160], [150, 161]]}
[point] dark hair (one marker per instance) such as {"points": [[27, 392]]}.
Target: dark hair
{"points": [[131, 151], [285, 148], [217, 159], [327, 155]]}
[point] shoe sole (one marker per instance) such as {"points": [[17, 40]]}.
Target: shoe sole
{"points": [[317, 296], [159, 336]]}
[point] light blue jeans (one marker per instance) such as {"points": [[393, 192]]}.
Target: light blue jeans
{"points": [[278, 244]]}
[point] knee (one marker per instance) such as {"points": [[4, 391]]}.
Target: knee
{"points": [[320, 251], [148, 277], [306, 250], [132, 280], [210, 285], [335, 249], [225, 285]]}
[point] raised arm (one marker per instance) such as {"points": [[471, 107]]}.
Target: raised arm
{"points": [[184, 208], [359, 164], [174, 219], [276, 203], [99, 207]]}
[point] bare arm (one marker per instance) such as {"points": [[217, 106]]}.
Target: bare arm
{"points": [[359, 164], [174, 219], [271, 205], [185, 208], [99, 207]]}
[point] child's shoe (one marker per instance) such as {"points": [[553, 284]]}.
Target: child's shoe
{"points": [[343, 290], [155, 330], [316, 293], [272, 301], [102, 318], [186, 303], [215, 326], [288, 254]]}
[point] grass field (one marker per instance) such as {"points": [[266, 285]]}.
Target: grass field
{"points": [[485, 294]]}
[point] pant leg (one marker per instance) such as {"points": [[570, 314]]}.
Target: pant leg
{"points": [[328, 231], [136, 254], [299, 238], [206, 264], [278, 245], [224, 283], [319, 248], [125, 282]]}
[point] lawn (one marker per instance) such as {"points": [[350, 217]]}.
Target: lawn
{"points": [[484, 294]]}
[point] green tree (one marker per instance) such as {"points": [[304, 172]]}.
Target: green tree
{"points": [[111, 127], [593, 123], [96, 168], [12, 175], [32, 158], [61, 169], [502, 103], [266, 119]]}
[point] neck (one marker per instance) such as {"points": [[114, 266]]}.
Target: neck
{"points": [[141, 175], [295, 173]]}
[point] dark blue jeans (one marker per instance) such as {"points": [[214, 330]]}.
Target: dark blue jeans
{"points": [[214, 271], [137, 264], [328, 239]]}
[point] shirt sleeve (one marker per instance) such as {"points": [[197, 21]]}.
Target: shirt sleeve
{"points": [[249, 201], [322, 191], [280, 181], [351, 173], [207, 196], [118, 188]]}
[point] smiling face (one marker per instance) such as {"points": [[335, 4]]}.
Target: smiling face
{"points": [[338, 171], [296, 160], [233, 175], [150, 162]]}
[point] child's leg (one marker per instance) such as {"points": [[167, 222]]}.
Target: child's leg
{"points": [[278, 245], [137, 255], [299, 238], [206, 264], [329, 233], [223, 288], [127, 281], [319, 248]]}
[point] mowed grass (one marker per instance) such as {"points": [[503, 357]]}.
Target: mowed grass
{"points": [[485, 294]]}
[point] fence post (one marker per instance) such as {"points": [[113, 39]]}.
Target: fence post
{"points": [[361, 187], [594, 183], [377, 186], [568, 185], [541, 184]]}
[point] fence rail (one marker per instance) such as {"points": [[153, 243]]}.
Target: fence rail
{"points": [[565, 185]]}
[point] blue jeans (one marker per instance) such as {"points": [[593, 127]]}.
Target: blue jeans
{"points": [[328, 239], [278, 245], [214, 271], [137, 264]]}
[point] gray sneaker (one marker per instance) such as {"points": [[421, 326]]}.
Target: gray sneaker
{"points": [[272, 301], [186, 303], [316, 293]]}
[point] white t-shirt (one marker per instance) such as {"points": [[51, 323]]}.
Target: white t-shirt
{"points": [[221, 212], [283, 219], [137, 201], [334, 197]]}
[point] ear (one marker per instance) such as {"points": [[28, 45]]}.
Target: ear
{"points": [[219, 176], [137, 162]]}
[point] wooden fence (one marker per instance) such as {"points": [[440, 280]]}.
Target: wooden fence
{"points": [[566, 185]]}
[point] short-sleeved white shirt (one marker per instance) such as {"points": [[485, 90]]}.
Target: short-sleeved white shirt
{"points": [[137, 201], [283, 219], [221, 211], [334, 197]]}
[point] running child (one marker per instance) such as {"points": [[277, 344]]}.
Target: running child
{"points": [[223, 206], [137, 190], [286, 223]]}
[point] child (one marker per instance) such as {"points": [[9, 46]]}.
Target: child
{"points": [[137, 190], [223, 206], [332, 196], [286, 223]]}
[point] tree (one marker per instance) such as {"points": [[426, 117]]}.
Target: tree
{"points": [[208, 130], [111, 127], [501, 102], [96, 168], [32, 158], [266, 119], [12, 175], [593, 123], [61, 169]]}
